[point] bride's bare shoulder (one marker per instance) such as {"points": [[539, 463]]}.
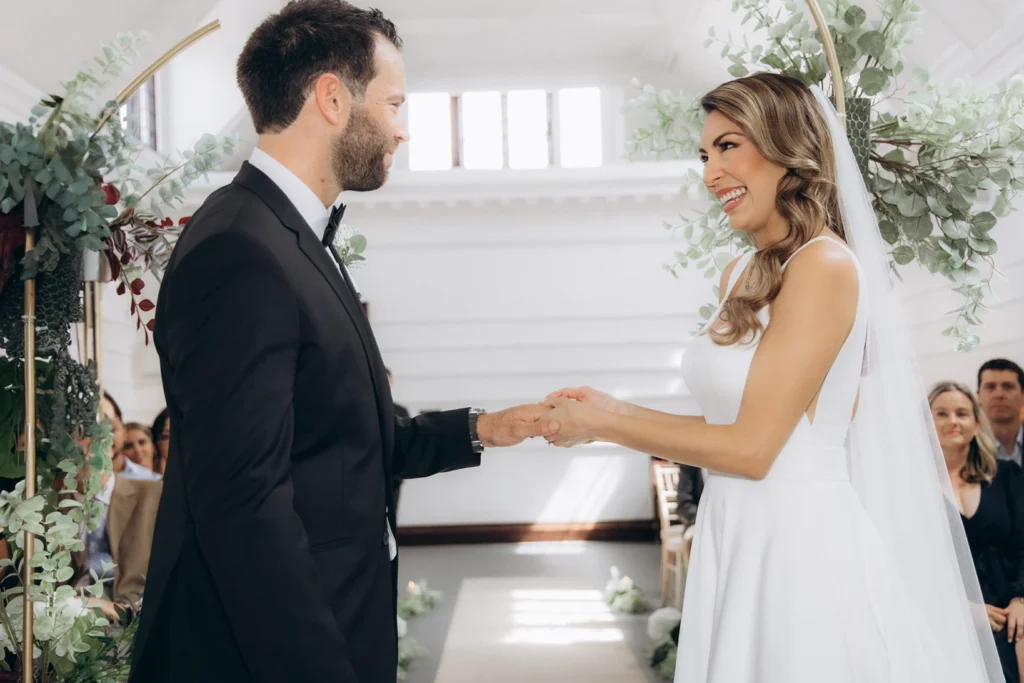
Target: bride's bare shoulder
{"points": [[825, 268]]}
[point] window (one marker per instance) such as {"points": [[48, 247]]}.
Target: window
{"points": [[492, 130], [579, 127], [529, 132], [430, 132], [482, 131], [138, 114]]}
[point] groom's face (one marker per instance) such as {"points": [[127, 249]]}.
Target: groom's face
{"points": [[364, 151]]}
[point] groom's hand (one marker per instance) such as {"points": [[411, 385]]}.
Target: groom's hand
{"points": [[514, 425]]}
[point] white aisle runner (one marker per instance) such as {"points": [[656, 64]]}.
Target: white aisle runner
{"points": [[535, 630]]}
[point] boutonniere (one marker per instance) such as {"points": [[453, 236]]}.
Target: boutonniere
{"points": [[349, 246]]}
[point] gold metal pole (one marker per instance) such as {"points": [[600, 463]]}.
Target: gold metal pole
{"points": [[87, 322], [30, 462], [838, 89], [156, 66], [97, 347]]}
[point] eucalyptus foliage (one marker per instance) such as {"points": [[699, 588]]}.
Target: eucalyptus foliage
{"points": [[71, 176], [944, 162]]}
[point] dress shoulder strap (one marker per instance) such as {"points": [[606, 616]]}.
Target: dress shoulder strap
{"points": [[737, 272], [809, 243]]}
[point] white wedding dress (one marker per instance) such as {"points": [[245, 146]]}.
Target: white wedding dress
{"points": [[788, 579]]}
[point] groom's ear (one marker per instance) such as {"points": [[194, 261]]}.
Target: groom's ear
{"points": [[332, 98]]}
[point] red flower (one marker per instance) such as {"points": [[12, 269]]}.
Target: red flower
{"points": [[113, 195], [12, 243]]}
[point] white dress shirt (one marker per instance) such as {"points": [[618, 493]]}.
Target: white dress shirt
{"points": [[1017, 454], [316, 216], [133, 470]]}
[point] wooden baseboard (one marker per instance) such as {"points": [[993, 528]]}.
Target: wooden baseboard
{"points": [[640, 530]]}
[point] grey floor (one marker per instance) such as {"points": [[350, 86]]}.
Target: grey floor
{"points": [[445, 567]]}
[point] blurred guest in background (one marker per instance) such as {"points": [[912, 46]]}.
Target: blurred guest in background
{"points": [[162, 438], [139, 447], [990, 496], [1001, 390]]}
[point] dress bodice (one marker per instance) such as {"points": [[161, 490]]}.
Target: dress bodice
{"points": [[717, 376]]}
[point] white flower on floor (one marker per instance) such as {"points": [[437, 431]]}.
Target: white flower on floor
{"points": [[662, 622], [622, 594], [663, 628]]}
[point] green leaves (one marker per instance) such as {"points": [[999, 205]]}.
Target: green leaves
{"points": [[855, 16], [903, 254], [941, 157], [984, 221], [954, 229], [774, 61], [912, 205], [917, 228], [890, 233], [873, 43], [872, 81]]}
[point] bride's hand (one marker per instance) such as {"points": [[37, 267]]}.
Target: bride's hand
{"points": [[592, 397], [576, 421]]}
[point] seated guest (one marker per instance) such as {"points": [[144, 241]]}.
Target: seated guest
{"points": [[122, 465], [162, 437], [691, 485], [139, 447], [990, 495], [1001, 391], [124, 538]]}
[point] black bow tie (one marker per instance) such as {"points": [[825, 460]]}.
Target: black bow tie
{"points": [[332, 225]]}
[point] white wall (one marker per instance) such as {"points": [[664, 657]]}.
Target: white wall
{"points": [[17, 96], [497, 302], [493, 306], [196, 93], [927, 301]]}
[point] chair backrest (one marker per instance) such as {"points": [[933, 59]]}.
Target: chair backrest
{"points": [[666, 482]]}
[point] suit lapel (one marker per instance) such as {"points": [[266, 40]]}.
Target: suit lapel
{"points": [[265, 189], [385, 405]]}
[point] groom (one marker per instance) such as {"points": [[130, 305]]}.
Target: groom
{"points": [[273, 556]]}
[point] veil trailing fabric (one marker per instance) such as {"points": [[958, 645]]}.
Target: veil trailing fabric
{"points": [[896, 465]]}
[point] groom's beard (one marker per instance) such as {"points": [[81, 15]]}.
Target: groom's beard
{"points": [[359, 153]]}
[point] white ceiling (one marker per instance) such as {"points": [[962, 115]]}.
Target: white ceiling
{"points": [[453, 44]]}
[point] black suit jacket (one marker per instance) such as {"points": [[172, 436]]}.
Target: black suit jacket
{"points": [[270, 560]]}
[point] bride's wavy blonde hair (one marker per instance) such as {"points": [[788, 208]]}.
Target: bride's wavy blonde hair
{"points": [[780, 116]]}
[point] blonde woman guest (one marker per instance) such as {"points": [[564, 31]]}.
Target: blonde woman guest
{"points": [[990, 495], [138, 446]]}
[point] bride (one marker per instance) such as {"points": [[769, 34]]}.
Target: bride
{"points": [[825, 547]]}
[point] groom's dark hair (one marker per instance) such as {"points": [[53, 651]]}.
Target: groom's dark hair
{"points": [[291, 49]]}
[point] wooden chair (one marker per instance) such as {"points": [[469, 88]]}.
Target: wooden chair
{"points": [[676, 538]]}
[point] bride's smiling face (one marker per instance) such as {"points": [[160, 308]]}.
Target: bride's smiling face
{"points": [[739, 175]]}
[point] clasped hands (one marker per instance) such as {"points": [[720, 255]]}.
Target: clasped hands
{"points": [[567, 417]]}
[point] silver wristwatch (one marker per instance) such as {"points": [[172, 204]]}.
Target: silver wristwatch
{"points": [[474, 439]]}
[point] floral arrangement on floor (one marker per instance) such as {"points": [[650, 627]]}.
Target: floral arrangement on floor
{"points": [[72, 176], [417, 601], [663, 630], [622, 595], [942, 162]]}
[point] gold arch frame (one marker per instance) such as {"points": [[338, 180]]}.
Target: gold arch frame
{"points": [[91, 297], [91, 300]]}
